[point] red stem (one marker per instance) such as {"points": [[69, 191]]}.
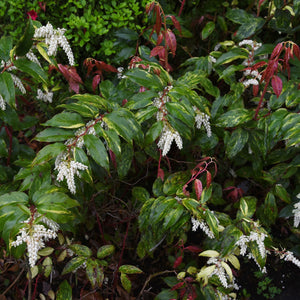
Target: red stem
{"points": [[121, 256], [35, 287], [181, 8], [261, 100]]}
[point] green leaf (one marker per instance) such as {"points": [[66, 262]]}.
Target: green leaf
{"points": [[97, 150], [54, 135], [154, 132], [236, 142], [111, 137], [166, 295], [178, 111], [239, 16], [247, 207], [94, 273], [64, 292], [236, 53], [126, 283], [270, 210], [145, 113], [141, 100], [7, 89], [94, 100], [48, 152], [13, 198], [208, 30], [124, 162], [73, 264], [206, 194], [32, 69], [105, 251], [124, 123], [212, 222], [129, 269], [66, 120], [146, 79], [250, 28], [235, 117], [282, 193], [85, 110], [25, 43], [140, 194], [174, 182], [81, 250], [5, 47]]}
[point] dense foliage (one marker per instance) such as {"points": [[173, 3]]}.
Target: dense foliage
{"points": [[180, 167]]}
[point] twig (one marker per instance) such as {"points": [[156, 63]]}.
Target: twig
{"points": [[13, 283], [149, 279]]}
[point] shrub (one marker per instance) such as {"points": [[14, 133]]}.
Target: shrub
{"points": [[196, 169]]}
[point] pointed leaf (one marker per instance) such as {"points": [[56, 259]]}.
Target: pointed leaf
{"points": [[25, 43], [7, 90], [66, 120], [64, 291], [171, 41], [277, 85]]}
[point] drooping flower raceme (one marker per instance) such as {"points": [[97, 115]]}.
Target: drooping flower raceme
{"points": [[202, 118], [46, 97], [166, 138], [196, 224], [67, 169], [296, 212], [35, 236], [2, 103], [54, 38]]}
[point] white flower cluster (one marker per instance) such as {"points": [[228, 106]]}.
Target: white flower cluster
{"points": [[219, 271], [250, 256], [67, 168], [120, 73], [31, 56], [253, 44], [46, 97], [2, 103], [166, 138], [254, 237], [196, 224], [35, 236], [289, 256], [54, 38], [251, 81], [4, 64], [202, 118], [18, 83], [296, 212]]}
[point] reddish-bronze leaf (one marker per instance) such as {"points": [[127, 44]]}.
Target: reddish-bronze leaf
{"points": [[296, 51], [198, 188], [177, 262], [175, 23], [159, 39], [158, 50], [158, 20], [177, 286], [96, 81], [149, 7], [276, 51], [193, 249], [160, 174], [171, 41], [255, 89], [208, 179], [277, 85]]}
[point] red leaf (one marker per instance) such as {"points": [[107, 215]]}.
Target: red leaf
{"points": [[124, 102], [193, 249], [276, 51], [296, 51], [258, 65], [208, 179], [177, 286], [113, 158], [171, 41], [96, 81], [158, 21], [259, 5], [198, 188], [71, 76], [177, 262], [159, 39], [158, 50], [160, 174], [176, 23], [277, 85], [149, 7], [270, 70], [42, 5], [100, 65]]}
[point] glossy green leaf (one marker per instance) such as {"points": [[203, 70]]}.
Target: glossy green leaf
{"points": [[32, 69], [208, 30], [129, 269], [97, 150], [166, 295], [235, 53], [25, 43], [94, 100], [64, 291], [126, 283], [140, 194], [154, 132], [124, 162], [235, 117], [81, 250], [85, 110], [13, 198], [48, 152], [141, 100], [65, 120], [54, 135], [5, 47], [178, 111], [212, 222], [146, 79], [7, 88], [105, 251], [145, 113], [282, 193], [247, 207], [236, 142], [73, 264]]}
